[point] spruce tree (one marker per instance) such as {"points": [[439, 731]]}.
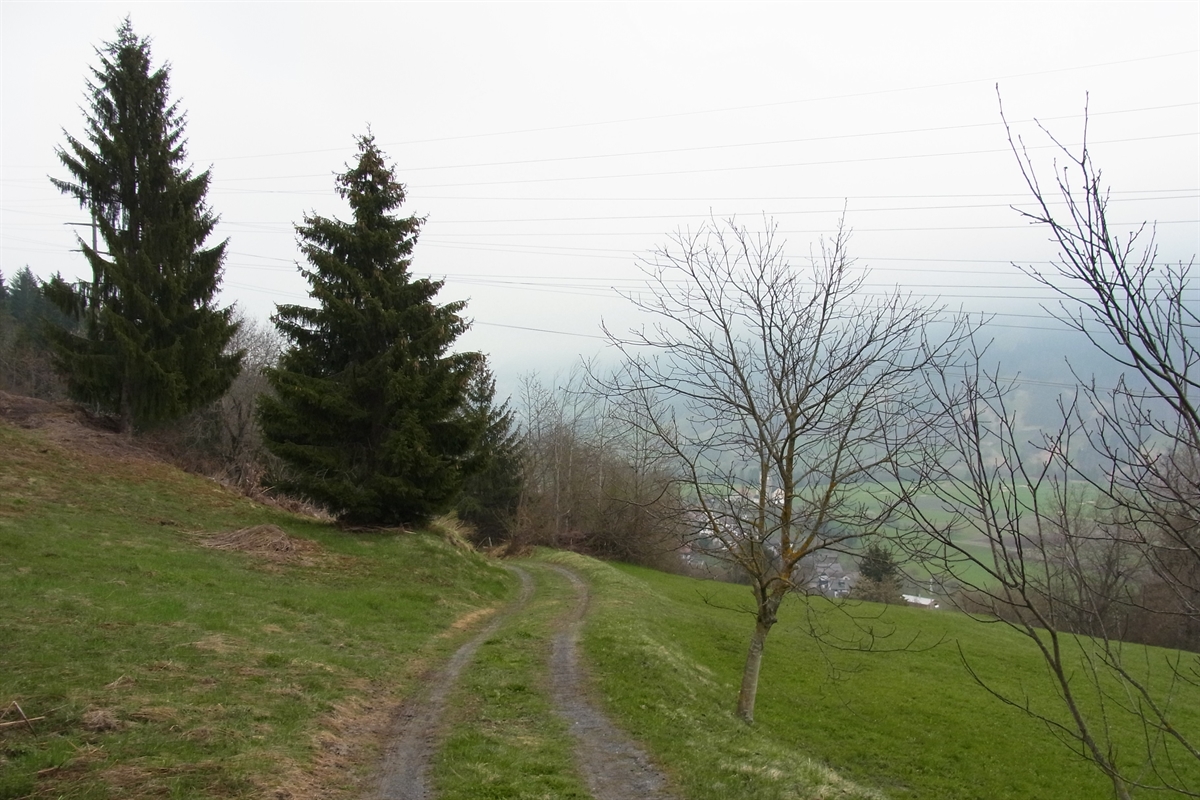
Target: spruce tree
{"points": [[492, 490], [370, 409], [28, 324], [35, 317], [152, 345], [878, 563], [5, 324]]}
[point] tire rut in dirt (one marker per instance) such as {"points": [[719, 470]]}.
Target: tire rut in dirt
{"points": [[613, 766], [415, 733]]}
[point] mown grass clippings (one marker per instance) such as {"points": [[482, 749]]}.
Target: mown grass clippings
{"points": [[164, 667], [266, 541]]}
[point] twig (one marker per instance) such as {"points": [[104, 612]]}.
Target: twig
{"points": [[27, 720]]}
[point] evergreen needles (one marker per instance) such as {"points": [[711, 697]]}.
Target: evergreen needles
{"points": [[151, 345], [371, 410]]}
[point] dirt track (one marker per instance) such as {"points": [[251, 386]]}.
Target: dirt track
{"points": [[611, 764], [414, 737]]}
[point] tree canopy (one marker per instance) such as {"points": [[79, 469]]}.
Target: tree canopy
{"points": [[779, 394], [492, 487], [878, 563], [152, 344], [372, 412]]}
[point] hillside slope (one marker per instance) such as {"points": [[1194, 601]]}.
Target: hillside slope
{"points": [[175, 639], [180, 640], [903, 716]]}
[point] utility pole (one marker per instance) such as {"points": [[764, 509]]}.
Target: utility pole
{"points": [[95, 232], [95, 249]]}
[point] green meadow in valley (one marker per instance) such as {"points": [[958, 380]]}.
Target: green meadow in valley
{"points": [[173, 647], [905, 719]]}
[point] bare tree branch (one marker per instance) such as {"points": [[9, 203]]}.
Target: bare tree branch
{"points": [[781, 393], [1089, 535]]}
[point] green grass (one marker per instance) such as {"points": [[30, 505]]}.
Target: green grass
{"points": [[967, 567], [657, 671], [165, 668], [169, 669], [505, 741], [668, 653]]}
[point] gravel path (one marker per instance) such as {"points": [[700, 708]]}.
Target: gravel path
{"points": [[612, 764], [414, 737]]}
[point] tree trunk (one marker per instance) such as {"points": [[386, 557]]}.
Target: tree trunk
{"points": [[1120, 790], [749, 692], [125, 408]]}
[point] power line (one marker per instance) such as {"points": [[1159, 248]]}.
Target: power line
{"points": [[706, 198], [771, 214], [765, 143], [728, 109], [761, 198], [624, 254], [638, 286], [274, 227], [860, 160], [539, 330], [906, 228], [792, 165], [989, 324]]}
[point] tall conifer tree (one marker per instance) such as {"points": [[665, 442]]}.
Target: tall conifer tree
{"points": [[152, 344], [371, 410], [493, 488]]}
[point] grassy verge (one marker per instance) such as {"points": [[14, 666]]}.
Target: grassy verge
{"points": [[165, 668], [505, 741], [668, 651], [678, 701]]}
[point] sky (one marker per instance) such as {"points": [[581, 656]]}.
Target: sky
{"points": [[553, 146]]}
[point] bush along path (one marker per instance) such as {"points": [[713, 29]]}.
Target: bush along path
{"points": [[509, 715]]}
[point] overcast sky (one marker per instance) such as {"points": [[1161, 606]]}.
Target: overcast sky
{"points": [[552, 144]]}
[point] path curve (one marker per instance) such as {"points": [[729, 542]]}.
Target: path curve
{"points": [[612, 764], [414, 734]]}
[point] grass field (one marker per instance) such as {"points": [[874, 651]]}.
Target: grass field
{"points": [[164, 667], [953, 568], [168, 669], [909, 723]]}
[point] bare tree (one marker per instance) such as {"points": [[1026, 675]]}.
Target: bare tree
{"points": [[1144, 314], [997, 520], [224, 436], [1009, 511], [556, 422], [1141, 312], [781, 393], [591, 483]]}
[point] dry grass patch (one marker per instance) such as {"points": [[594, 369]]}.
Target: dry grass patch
{"points": [[156, 714], [98, 720], [267, 541], [454, 531], [350, 739], [203, 779], [213, 643], [468, 620]]}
